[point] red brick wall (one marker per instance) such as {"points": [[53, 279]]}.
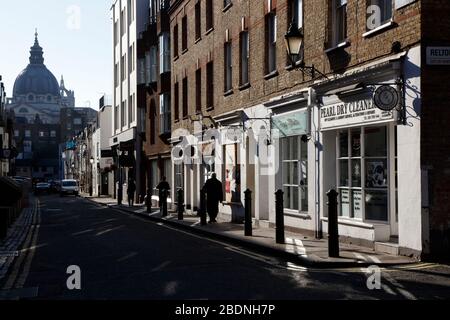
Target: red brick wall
{"points": [[435, 124]]}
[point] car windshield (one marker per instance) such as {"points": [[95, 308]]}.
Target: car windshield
{"points": [[69, 184], [42, 184]]}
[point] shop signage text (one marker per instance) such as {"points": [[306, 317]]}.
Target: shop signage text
{"points": [[352, 113], [292, 124], [438, 56]]}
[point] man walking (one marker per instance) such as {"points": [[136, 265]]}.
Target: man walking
{"points": [[131, 191], [164, 189], [214, 195]]}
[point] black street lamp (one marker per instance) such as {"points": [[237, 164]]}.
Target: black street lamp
{"points": [[294, 41]]}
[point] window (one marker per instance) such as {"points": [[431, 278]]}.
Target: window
{"points": [[295, 15], [130, 110], [122, 23], [151, 65], [271, 42], [53, 134], [198, 90], [179, 176], [294, 157], [245, 56], [185, 98], [177, 101], [175, 41], [210, 85], [116, 35], [165, 114], [379, 12], [209, 14], [41, 134], [122, 114], [116, 118], [198, 21], [228, 72], [123, 67], [363, 173], [184, 31], [153, 8], [131, 58], [130, 11], [116, 75], [339, 22], [77, 121], [164, 53], [152, 116]]}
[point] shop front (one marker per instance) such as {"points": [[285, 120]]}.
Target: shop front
{"points": [[371, 156]]}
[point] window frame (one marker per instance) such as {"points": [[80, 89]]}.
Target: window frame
{"points": [[244, 65], [228, 66]]}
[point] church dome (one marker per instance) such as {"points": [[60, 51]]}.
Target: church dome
{"points": [[36, 78]]}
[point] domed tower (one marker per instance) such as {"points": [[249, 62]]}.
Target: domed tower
{"points": [[37, 92], [36, 83]]}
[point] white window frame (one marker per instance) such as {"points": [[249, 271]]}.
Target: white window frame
{"points": [[164, 52], [390, 160]]}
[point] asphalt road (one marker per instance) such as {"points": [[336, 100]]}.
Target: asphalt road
{"points": [[126, 257]]}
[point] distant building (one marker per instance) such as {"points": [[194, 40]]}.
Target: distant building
{"points": [[74, 120], [36, 103], [7, 149]]}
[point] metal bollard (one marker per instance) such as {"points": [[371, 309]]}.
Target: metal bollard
{"points": [[333, 231], [149, 201], [203, 220], [163, 200], [248, 213], [280, 238], [180, 207]]}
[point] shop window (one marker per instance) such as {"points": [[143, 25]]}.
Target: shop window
{"points": [[363, 173], [294, 158], [179, 176]]}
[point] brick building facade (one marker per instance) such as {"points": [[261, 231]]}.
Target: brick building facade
{"points": [[230, 70]]}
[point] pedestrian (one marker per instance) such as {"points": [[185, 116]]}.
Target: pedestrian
{"points": [[164, 189], [214, 195], [131, 191]]}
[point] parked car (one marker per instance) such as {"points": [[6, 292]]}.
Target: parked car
{"points": [[69, 187], [42, 187]]}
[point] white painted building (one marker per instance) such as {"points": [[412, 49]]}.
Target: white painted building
{"points": [[128, 117]]}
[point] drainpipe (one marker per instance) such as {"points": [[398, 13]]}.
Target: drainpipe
{"points": [[312, 102]]}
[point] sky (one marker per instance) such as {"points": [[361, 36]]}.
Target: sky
{"points": [[76, 36]]}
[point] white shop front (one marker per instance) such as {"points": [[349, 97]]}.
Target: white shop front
{"points": [[361, 155]]}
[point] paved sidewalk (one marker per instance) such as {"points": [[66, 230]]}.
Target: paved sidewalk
{"points": [[9, 247], [299, 248]]}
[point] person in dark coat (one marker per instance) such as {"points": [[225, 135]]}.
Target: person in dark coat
{"points": [[164, 189], [131, 191], [214, 195]]}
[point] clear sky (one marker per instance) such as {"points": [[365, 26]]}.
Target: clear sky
{"points": [[76, 37]]}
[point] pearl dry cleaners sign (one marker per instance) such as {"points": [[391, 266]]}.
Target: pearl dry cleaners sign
{"points": [[353, 113]]}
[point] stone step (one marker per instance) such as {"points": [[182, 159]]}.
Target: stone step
{"points": [[387, 247]]}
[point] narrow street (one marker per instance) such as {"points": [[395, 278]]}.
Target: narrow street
{"points": [[125, 257]]}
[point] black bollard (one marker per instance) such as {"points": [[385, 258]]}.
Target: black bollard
{"points": [[163, 200], [333, 231], [149, 201], [203, 221], [180, 207], [279, 213], [248, 213]]}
